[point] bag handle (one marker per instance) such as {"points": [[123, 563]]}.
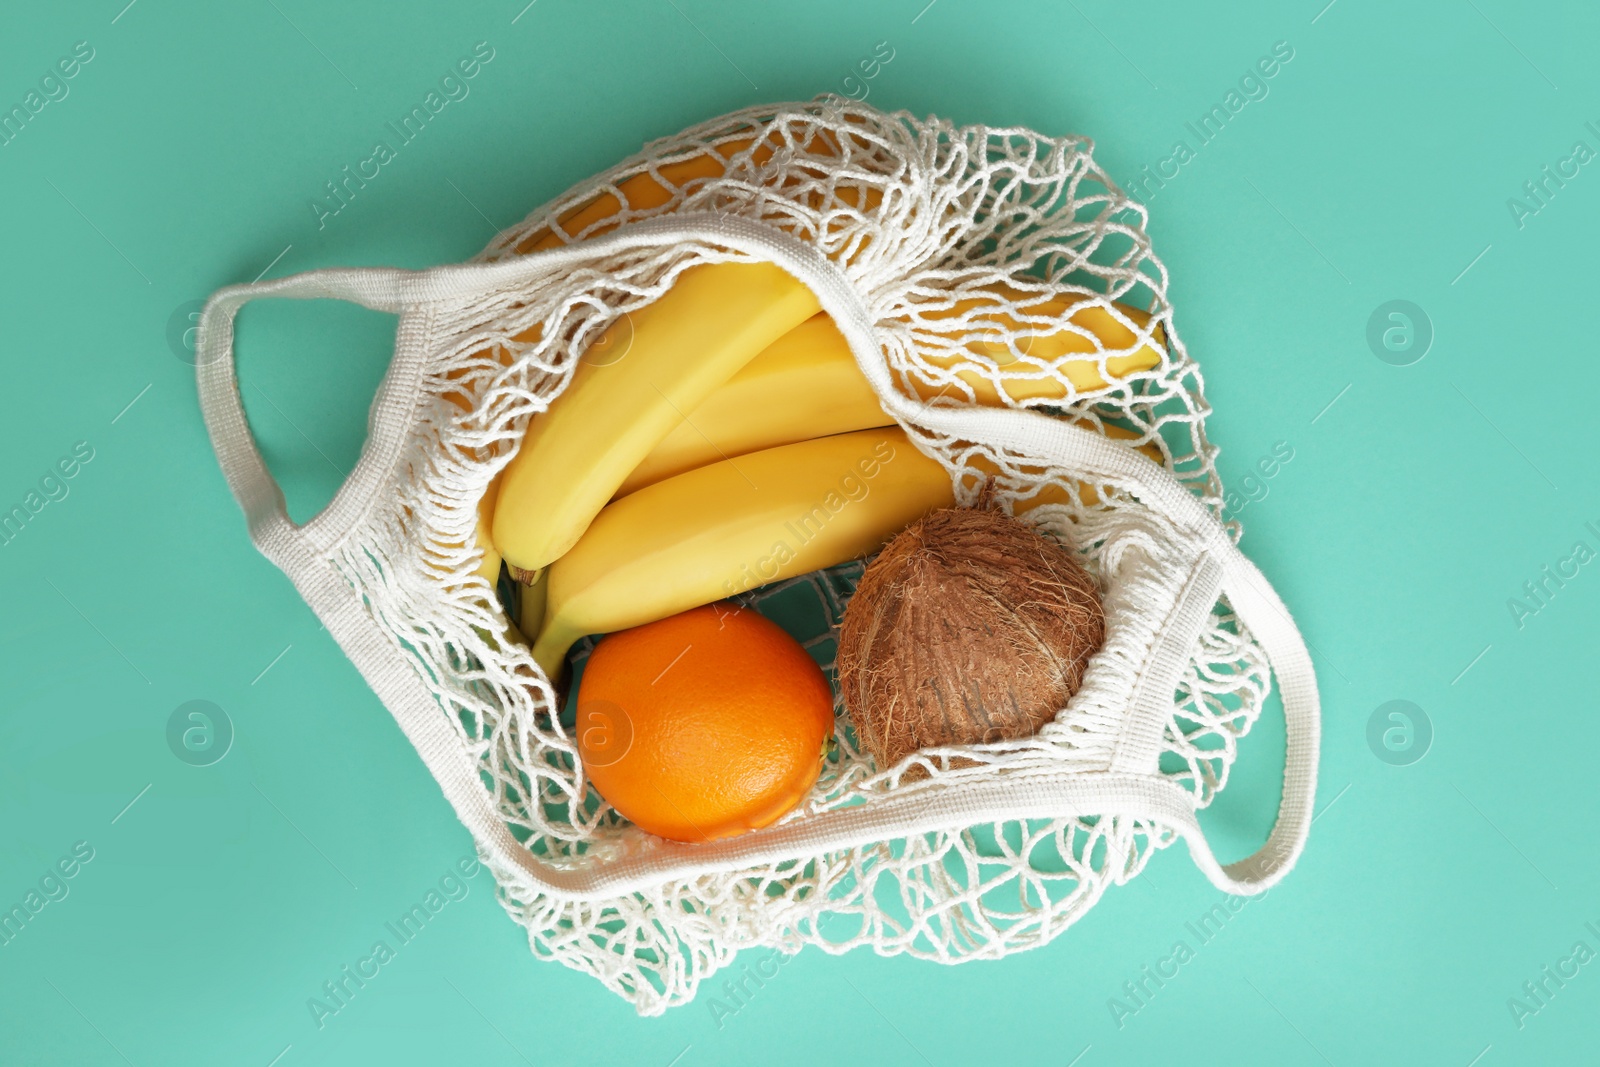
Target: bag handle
{"points": [[1260, 609], [302, 552], [216, 376], [412, 294], [1252, 596]]}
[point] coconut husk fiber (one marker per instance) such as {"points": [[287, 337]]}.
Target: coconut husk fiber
{"points": [[969, 627]]}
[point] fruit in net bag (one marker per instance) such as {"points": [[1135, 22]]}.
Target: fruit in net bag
{"points": [[704, 724], [969, 627]]}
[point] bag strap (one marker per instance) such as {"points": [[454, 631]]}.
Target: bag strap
{"points": [[412, 295], [1251, 595], [216, 376], [302, 552], [1261, 610]]}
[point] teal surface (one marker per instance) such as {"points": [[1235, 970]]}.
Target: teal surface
{"points": [[1387, 159]]}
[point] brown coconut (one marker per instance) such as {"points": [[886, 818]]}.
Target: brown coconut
{"points": [[969, 627]]}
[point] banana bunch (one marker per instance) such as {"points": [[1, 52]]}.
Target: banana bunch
{"points": [[1053, 338], [732, 441], [575, 457], [724, 437]]}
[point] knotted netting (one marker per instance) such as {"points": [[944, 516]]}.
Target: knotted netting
{"points": [[995, 269]]}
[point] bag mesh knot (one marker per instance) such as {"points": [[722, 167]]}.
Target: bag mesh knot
{"points": [[951, 238]]}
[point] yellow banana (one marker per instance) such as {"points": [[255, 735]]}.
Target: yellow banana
{"points": [[702, 331], [805, 384], [729, 526], [490, 567], [1028, 378], [642, 192], [654, 188]]}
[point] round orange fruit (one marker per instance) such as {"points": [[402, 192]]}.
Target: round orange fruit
{"points": [[703, 725]]}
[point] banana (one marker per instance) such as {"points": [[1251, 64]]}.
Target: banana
{"points": [[702, 331], [641, 192], [729, 526], [656, 187], [805, 384], [490, 567], [1029, 377]]}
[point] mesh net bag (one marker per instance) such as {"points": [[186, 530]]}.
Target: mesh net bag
{"points": [[933, 248]]}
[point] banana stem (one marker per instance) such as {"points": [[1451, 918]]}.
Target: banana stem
{"points": [[550, 650]]}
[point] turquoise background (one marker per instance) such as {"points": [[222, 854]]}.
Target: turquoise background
{"points": [[1378, 167]]}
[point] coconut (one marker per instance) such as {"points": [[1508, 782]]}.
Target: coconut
{"points": [[969, 627]]}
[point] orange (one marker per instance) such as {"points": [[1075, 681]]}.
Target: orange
{"points": [[703, 725]]}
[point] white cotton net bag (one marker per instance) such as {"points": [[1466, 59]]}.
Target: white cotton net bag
{"points": [[902, 227]]}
